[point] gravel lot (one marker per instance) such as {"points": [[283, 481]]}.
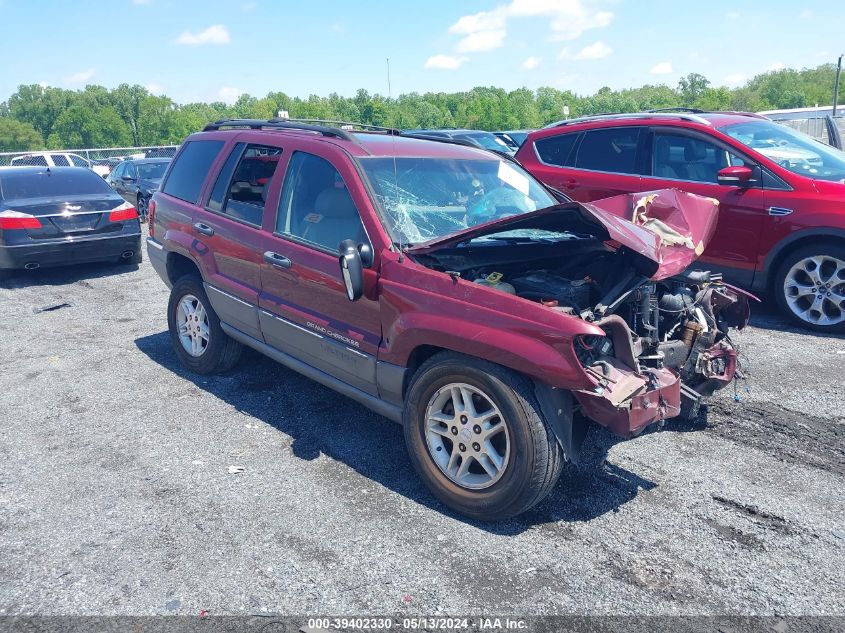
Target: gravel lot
{"points": [[116, 495]]}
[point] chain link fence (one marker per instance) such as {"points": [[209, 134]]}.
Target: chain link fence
{"points": [[101, 160]]}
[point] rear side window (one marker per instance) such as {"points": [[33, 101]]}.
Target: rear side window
{"points": [[78, 161], [244, 188], [60, 160], [51, 184], [35, 161], [555, 150], [190, 170], [611, 150]]}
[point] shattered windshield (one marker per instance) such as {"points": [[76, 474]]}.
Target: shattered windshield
{"points": [[426, 198], [790, 149]]}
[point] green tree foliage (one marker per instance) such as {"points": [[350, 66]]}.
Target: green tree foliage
{"points": [[18, 136], [130, 115]]}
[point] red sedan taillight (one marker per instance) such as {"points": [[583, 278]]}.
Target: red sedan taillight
{"points": [[11, 220], [124, 212]]}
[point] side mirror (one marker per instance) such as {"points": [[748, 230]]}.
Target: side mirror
{"points": [[127, 177], [351, 270], [739, 175]]}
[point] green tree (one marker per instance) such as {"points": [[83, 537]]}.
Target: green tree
{"points": [[18, 136], [692, 87]]}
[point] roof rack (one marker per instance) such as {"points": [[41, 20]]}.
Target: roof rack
{"points": [[678, 109], [348, 125], [454, 141], [279, 124], [683, 116]]}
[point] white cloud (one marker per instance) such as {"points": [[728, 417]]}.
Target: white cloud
{"points": [[338, 27], [806, 14], [661, 68], [43, 84], [568, 18], [215, 34], [531, 63], [228, 94], [776, 66], [142, 1], [80, 77], [155, 89], [444, 62], [249, 6], [735, 79], [481, 41], [598, 50], [732, 15]]}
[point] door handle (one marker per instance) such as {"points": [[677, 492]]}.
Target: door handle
{"points": [[274, 259], [203, 228]]}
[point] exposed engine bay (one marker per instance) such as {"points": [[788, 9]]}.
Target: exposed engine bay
{"points": [[679, 324]]}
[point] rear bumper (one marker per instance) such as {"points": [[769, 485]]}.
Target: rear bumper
{"points": [[64, 252], [157, 256]]}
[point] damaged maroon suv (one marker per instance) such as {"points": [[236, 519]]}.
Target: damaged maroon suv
{"points": [[445, 288]]}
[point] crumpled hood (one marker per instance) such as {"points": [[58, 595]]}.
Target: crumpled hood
{"points": [[667, 228]]}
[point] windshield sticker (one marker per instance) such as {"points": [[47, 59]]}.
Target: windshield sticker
{"points": [[313, 218], [512, 177]]}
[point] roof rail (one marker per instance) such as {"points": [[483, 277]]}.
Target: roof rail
{"points": [[348, 125], [279, 124], [679, 109], [683, 116], [455, 141]]}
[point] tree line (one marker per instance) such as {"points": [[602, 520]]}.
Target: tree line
{"points": [[39, 117]]}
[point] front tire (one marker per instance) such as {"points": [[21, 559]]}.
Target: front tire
{"points": [[142, 206], [809, 287], [477, 438], [200, 343]]}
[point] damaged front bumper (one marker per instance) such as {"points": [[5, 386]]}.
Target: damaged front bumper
{"points": [[626, 402]]}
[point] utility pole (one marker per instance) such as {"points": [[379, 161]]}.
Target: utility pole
{"points": [[836, 84]]}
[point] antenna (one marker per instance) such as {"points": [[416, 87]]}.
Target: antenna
{"points": [[395, 170]]}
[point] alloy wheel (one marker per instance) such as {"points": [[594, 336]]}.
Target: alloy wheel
{"points": [[192, 321], [814, 289], [467, 436]]}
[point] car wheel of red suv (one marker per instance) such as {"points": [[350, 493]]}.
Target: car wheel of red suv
{"points": [[200, 343], [810, 287], [476, 436]]}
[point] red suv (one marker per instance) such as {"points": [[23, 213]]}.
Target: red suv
{"points": [[445, 288], [781, 195]]}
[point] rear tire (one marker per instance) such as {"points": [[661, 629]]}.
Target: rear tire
{"points": [[142, 206], [191, 318], [809, 287], [518, 457]]}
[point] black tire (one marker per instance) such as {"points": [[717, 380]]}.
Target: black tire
{"points": [[535, 460], [221, 352], [141, 206], [824, 249]]}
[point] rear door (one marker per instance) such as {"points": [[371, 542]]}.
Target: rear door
{"points": [[592, 164], [689, 160], [229, 225], [304, 308]]}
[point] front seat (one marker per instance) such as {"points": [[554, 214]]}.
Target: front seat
{"points": [[662, 159], [699, 168], [335, 219]]}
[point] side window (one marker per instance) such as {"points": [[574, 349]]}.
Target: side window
{"points": [[60, 160], [555, 150], [612, 150], [190, 169], [680, 157], [36, 161], [131, 171], [78, 161], [246, 189], [221, 187], [315, 205], [117, 173]]}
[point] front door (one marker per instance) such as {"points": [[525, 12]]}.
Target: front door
{"points": [[690, 162], [304, 308]]}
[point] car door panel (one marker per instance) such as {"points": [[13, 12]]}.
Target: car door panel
{"points": [[304, 308]]}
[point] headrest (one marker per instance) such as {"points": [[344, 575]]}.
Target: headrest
{"points": [[335, 203], [695, 151]]}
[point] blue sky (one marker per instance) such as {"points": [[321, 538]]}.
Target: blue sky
{"points": [[213, 50]]}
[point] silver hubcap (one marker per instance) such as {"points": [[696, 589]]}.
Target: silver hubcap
{"points": [[467, 436], [815, 290], [192, 321]]}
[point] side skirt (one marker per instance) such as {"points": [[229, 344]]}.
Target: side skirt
{"points": [[390, 411]]}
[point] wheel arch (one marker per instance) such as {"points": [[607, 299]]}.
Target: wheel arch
{"points": [[179, 265], [791, 244]]}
